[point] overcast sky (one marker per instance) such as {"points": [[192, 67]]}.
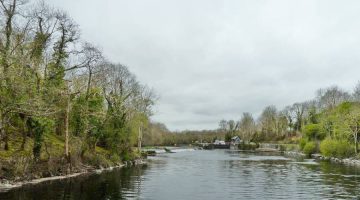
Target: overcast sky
{"points": [[212, 59]]}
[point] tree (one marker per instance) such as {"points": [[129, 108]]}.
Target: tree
{"points": [[299, 109], [128, 105], [282, 124], [289, 114], [223, 125], [356, 92], [331, 97], [247, 127], [155, 134], [53, 82], [268, 121], [231, 129], [352, 122]]}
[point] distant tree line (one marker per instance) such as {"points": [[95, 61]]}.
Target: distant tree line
{"points": [[157, 134], [332, 115], [289, 124]]}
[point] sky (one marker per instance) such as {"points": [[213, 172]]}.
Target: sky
{"points": [[214, 59]]}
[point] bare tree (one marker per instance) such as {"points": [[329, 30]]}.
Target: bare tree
{"points": [[223, 125], [299, 110], [352, 122], [289, 113], [331, 97], [356, 92], [247, 127], [268, 121], [282, 124]]}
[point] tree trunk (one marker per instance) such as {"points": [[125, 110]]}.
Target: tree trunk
{"points": [[23, 140], [60, 123], [88, 85], [356, 142], [4, 133], [95, 144], [6, 141], [139, 139], [23, 132], [67, 128]]}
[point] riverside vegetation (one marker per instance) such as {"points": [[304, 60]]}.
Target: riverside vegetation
{"points": [[63, 106], [328, 124]]}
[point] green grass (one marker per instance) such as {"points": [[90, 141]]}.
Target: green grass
{"points": [[20, 163], [15, 142]]}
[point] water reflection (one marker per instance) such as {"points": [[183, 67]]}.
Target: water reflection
{"points": [[118, 184], [208, 175]]}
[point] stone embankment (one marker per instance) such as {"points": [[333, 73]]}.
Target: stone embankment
{"points": [[346, 161], [319, 157]]}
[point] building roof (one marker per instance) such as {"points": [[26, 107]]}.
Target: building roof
{"points": [[235, 137]]}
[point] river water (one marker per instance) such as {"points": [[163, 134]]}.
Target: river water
{"points": [[204, 175]]}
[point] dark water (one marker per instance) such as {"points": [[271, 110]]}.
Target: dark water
{"points": [[207, 175]]}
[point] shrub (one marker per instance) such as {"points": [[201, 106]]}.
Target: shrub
{"points": [[336, 148], [248, 146], [96, 160], [115, 158], [327, 147], [39, 126], [302, 143], [309, 148], [343, 149], [129, 156]]}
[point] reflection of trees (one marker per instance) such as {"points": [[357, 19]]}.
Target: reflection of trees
{"points": [[117, 184], [326, 180], [339, 177], [257, 169]]}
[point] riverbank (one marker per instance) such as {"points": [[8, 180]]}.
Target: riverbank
{"points": [[6, 185], [318, 157], [345, 161]]}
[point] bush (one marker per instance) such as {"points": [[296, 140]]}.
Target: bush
{"points": [[327, 147], [129, 156], [302, 143], [248, 146], [115, 158], [336, 148], [309, 148], [96, 160]]}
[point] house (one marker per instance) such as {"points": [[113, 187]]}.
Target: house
{"points": [[235, 140]]}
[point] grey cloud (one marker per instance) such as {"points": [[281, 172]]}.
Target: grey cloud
{"points": [[210, 60]]}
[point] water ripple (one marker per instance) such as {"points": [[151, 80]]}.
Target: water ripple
{"points": [[207, 175]]}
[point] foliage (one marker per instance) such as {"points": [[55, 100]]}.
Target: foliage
{"points": [[314, 131], [40, 126], [309, 148], [302, 143], [248, 146], [336, 148], [61, 95], [247, 127]]}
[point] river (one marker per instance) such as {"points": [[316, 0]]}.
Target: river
{"points": [[204, 175]]}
